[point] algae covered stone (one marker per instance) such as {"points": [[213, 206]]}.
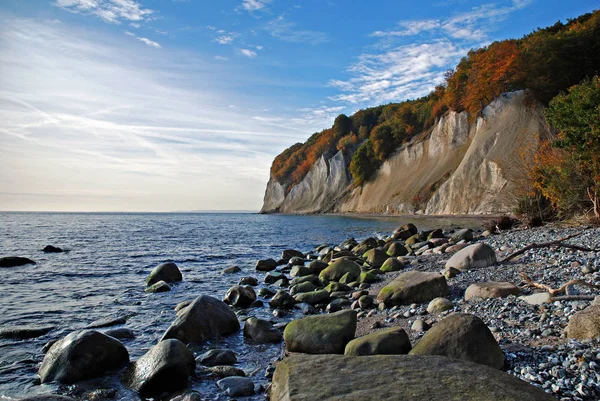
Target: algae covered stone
{"points": [[167, 272], [392, 265], [387, 341], [461, 336], [337, 269], [375, 257], [413, 287], [321, 334]]}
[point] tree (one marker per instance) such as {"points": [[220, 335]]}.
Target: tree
{"points": [[342, 125], [364, 163]]}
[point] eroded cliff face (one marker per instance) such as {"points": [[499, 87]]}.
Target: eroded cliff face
{"points": [[457, 167]]}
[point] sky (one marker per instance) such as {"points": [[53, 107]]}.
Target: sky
{"points": [[181, 105]]}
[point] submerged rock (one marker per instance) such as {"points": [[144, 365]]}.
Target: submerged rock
{"points": [[48, 397], [240, 296], [282, 300], [24, 332], [160, 286], [82, 355], [165, 367], [14, 261], [461, 336], [204, 319], [52, 249], [167, 272], [261, 331], [387, 341], [322, 334], [266, 265], [216, 357], [236, 386], [232, 269], [107, 322], [395, 378]]}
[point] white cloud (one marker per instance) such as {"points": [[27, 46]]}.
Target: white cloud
{"points": [[129, 33], [91, 122], [254, 5], [225, 40], [248, 53], [285, 30], [221, 58], [112, 11], [150, 43], [410, 28]]}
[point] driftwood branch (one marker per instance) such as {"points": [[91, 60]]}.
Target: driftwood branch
{"points": [[575, 298], [557, 243], [529, 281]]}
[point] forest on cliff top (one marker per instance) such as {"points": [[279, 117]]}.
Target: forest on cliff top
{"points": [[547, 62]]}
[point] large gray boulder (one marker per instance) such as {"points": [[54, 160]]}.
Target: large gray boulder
{"points": [[261, 331], [387, 341], [204, 319], [395, 378], [491, 289], [375, 257], [82, 355], [585, 324], [321, 334], [461, 336], [473, 257], [413, 287], [240, 296], [14, 261], [339, 268], [167, 272], [165, 367]]}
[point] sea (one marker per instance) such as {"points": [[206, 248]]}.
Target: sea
{"points": [[108, 258]]}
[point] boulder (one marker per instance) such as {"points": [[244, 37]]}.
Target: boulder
{"points": [[253, 281], [52, 249], [413, 287], [188, 396], [455, 248], [160, 286], [466, 234], [121, 333], [107, 322], [368, 277], [236, 386], [13, 261], [435, 234], [395, 378], [585, 324], [461, 336], [290, 253], [273, 277], [216, 357], [337, 305], [420, 326], [240, 296], [300, 271], [232, 269], [397, 249], [312, 297], [375, 257], [266, 265], [82, 355], [282, 300], [491, 289], [337, 269], [365, 302], [227, 371], [261, 331], [165, 367], [204, 319], [24, 332], [391, 265], [537, 298], [317, 266], [321, 334], [337, 287], [387, 341], [439, 305], [473, 257], [167, 272], [307, 286]]}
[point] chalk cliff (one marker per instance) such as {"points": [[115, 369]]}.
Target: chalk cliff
{"points": [[457, 167]]}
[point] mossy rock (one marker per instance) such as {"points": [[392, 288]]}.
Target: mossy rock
{"points": [[375, 257], [300, 271], [413, 287], [321, 334], [392, 265], [335, 287], [337, 269], [312, 297], [160, 286], [302, 287], [397, 249], [414, 240], [167, 272], [387, 341], [435, 234], [368, 277]]}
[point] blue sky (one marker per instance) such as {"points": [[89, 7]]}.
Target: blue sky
{"points": [[162, 105]]}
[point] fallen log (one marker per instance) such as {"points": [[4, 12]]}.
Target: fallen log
{"points": [[556, 243], [529, 281]]}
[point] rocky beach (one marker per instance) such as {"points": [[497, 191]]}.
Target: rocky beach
{"points": [[446, 313]]}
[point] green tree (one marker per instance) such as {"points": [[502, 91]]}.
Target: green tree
{"points": [[364, 163], [342, 125]]}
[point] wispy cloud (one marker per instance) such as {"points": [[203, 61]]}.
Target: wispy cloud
{"points": [[150, 43], [248, 53], [225, 39], [159, 126], [112, 11], [288, 32], [254, 5]]}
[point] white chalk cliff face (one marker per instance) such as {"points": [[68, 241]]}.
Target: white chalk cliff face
{"points": [[457, 167]]}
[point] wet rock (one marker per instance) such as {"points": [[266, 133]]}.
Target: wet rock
{"points": [[253, 281], [473, 257], [387, 341], [397, 249], [461, 336], [160, 286], [48, 397], [227, 371], [322, 334], [585, 324], [167, 272], [439, 305], [300, 271], [307, 309], [395, 378], [317, 266], [166, 367], [52, 249], [236, 386], [14, 261], [466, 234], [107, 322], [188, 396], [273, 277], [216, 357], [392, 265], [266, 265], [336, 270], [240, 296], [302, 287], [24, 332], [82, 355], [122, 333], [282, 300], [413, 287], [232, 269], [491, 289], [312, 297], [290, 253], [204, 319], [366, 302], [261, 331], [375, 257], [296, 261]]}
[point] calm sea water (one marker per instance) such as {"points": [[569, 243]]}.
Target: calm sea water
{"points": [[103, 276]]}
